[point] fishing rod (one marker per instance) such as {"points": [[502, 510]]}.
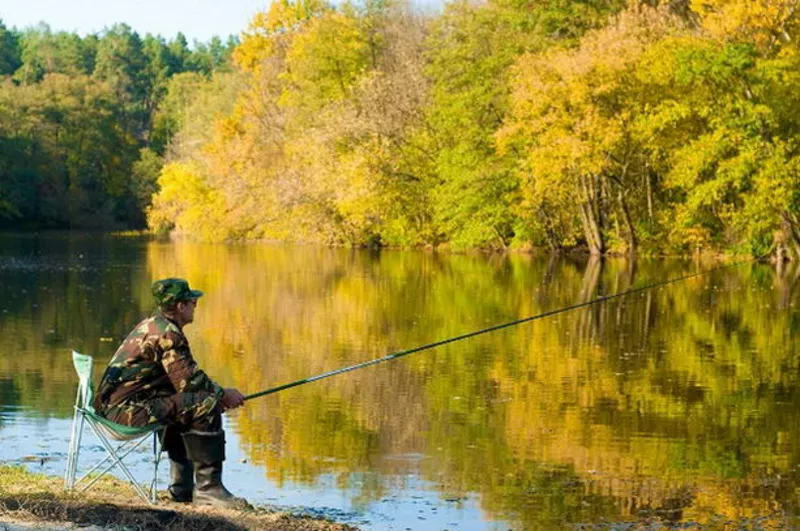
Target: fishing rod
{"points": [[516, 322]]}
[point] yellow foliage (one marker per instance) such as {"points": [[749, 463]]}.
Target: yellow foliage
{"points": [[357, 198], [187, 203], [324, 61], [571, 118], [252, 51], [284, 15], [266, 28], [764, 22]]}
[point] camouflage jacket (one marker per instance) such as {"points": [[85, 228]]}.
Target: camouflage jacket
{"points": [[154, 360]]}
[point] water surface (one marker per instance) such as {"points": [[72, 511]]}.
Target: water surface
{"points": [[671, 408]]}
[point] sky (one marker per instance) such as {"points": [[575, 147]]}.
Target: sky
{"points": [[197, 19]]}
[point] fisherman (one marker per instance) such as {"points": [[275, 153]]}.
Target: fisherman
{"points": [[153, 379]]}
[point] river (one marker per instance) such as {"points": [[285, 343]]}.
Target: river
{"points": [[675, 407]]}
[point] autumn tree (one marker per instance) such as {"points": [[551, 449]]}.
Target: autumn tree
{"points": [[722, 123], [309, 150], [470, 52]]}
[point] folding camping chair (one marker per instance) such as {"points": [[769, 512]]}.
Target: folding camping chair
{"points": [[131, 438]]}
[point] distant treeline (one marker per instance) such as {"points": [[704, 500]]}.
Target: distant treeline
{"points": [[610, 125], [83, 126]]}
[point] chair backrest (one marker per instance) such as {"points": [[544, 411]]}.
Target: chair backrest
{"points": [[83, 367], [85, 400]]}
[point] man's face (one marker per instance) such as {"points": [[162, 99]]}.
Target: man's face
{"points": [[185, 311]]}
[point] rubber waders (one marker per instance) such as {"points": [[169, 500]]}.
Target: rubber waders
{"points": [[206, 450], [181, 471]]}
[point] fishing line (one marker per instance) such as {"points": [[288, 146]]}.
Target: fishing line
{"points": [[453, 339]]}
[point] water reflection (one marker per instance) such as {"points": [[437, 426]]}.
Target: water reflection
{"points": [[60, 291], [678, 404]]}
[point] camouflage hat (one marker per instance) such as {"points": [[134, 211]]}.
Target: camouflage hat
{"points": [[169, 290]]}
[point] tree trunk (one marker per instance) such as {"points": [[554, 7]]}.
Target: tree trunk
{"points": [[590, 214], [550, 233], [792, 226], [648, 181], [626, 216], [500, 238]]}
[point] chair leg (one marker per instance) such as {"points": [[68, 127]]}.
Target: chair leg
{"points": [[114, 455], [107, 458], [158, 447], [118, 462], [75, 449], [111, 465], [70, 453], [69, 476]]}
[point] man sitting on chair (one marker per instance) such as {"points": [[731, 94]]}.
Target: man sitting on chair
{"points": [[153, 379]]}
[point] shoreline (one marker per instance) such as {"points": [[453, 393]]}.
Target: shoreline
{"points": [[523, 249], [30, 500]]}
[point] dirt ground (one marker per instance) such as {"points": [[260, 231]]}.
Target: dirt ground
{"points": [[31, 501]]}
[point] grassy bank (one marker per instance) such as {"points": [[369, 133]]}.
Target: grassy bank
{"points": [[29, 497]]}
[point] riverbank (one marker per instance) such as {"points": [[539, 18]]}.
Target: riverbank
{"points": [[37, 501]]}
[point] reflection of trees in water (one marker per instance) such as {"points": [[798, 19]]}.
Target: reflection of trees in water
{"points": [[700, 384], [787, 280], [9, 394], [58, 292], [613, 397], [605, 411]]}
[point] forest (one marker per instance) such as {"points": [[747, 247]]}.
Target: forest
{"points": [[610, 126], [85, 123]]}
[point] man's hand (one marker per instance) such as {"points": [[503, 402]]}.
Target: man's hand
{"points": [[232, 399]]}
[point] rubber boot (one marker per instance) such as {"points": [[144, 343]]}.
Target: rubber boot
{"points": [[181, 476], [181, 470], [206, 449]]}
